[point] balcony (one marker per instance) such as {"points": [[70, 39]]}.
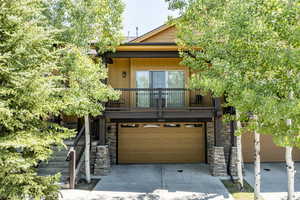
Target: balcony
{"points": [[158, 103]]}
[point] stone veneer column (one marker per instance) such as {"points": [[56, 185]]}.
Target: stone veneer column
{"points": [[210, 140], [102, 161], [111, 141], [226, 140], [233, 161], [218, 165]]}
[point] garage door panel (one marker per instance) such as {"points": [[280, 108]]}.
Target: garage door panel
{"points": [[157, 148], [158, 157], [269, 151], [154, 140], [161, 144]]}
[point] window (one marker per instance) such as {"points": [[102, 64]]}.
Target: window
{"points": [[160, 79]]}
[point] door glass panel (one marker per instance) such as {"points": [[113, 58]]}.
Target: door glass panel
{"points": [[175, 98], [142, 97], [175, 79], [158, 80], [142, 79]]}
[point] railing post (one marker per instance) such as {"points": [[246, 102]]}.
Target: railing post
{"points": [[159, 102], [72, 168]]}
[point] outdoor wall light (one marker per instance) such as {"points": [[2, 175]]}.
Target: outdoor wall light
{"points": [[124, 74]]}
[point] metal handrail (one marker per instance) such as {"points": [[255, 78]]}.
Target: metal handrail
{"points": [[152, 89], [157, 99]]}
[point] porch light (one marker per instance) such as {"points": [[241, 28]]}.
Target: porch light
{"points": [[124, 74]]}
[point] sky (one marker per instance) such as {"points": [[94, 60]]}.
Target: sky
{"points": [[144, 14]]}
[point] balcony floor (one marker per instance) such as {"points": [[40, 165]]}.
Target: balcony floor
{"points": [[183, 114]]}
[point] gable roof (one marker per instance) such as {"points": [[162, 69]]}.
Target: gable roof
{"points": [[151, 33]]}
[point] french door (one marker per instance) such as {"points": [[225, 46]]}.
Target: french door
{"points": [[160, 80]]}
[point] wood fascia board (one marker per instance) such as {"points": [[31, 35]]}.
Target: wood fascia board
{"points": [[152, 33], [147, 48], [153, 48]]}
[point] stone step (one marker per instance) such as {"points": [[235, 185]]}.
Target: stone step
{"points": [[54, 164], [70, 125], [60, 153], [63, 182], [57, 160], [65, 185], [51, 171], [71, 142]]}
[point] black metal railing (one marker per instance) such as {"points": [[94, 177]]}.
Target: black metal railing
{"points": [[157, 99]]}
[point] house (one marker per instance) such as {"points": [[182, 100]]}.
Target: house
{"points": [[159, 120]]}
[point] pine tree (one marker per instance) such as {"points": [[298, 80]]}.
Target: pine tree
{"points": [[27, 99], [45, 71]]}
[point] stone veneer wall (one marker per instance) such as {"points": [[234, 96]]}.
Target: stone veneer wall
{"points": [[218, 165], [233, 162], [219, 157], [226, 141], [210, 140], [101, 163], [111, 141]]}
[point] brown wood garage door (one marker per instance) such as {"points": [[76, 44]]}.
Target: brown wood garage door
{"points": [[161, 143], [269, 151]]}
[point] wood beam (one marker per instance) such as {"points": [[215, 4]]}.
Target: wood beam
{"points": [[218, 122], [102, 131]]}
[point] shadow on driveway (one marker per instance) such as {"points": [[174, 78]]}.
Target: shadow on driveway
{"points": [[273, 180]]}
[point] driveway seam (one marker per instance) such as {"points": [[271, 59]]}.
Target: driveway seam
{"points": [[162, 177]]}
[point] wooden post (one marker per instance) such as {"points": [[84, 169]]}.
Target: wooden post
{"points": [[102, 131], [218, 122], [72, 168], [87, 149]]}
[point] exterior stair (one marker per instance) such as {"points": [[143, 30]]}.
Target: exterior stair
{"points": [[57, 164]]}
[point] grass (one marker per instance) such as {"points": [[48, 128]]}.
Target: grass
{"points": [[233, 188]]}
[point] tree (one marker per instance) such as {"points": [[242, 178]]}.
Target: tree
{"points": [[45, 71], [27, 98], [246, 43], [81, 24]]}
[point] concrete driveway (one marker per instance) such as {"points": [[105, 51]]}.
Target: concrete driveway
{"points": [[153, 182], [273, 180]]}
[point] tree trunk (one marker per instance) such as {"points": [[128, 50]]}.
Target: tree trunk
{"points": [[87, 149], [239, 155], [290, 168], [257, 165], [290, 172]]}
